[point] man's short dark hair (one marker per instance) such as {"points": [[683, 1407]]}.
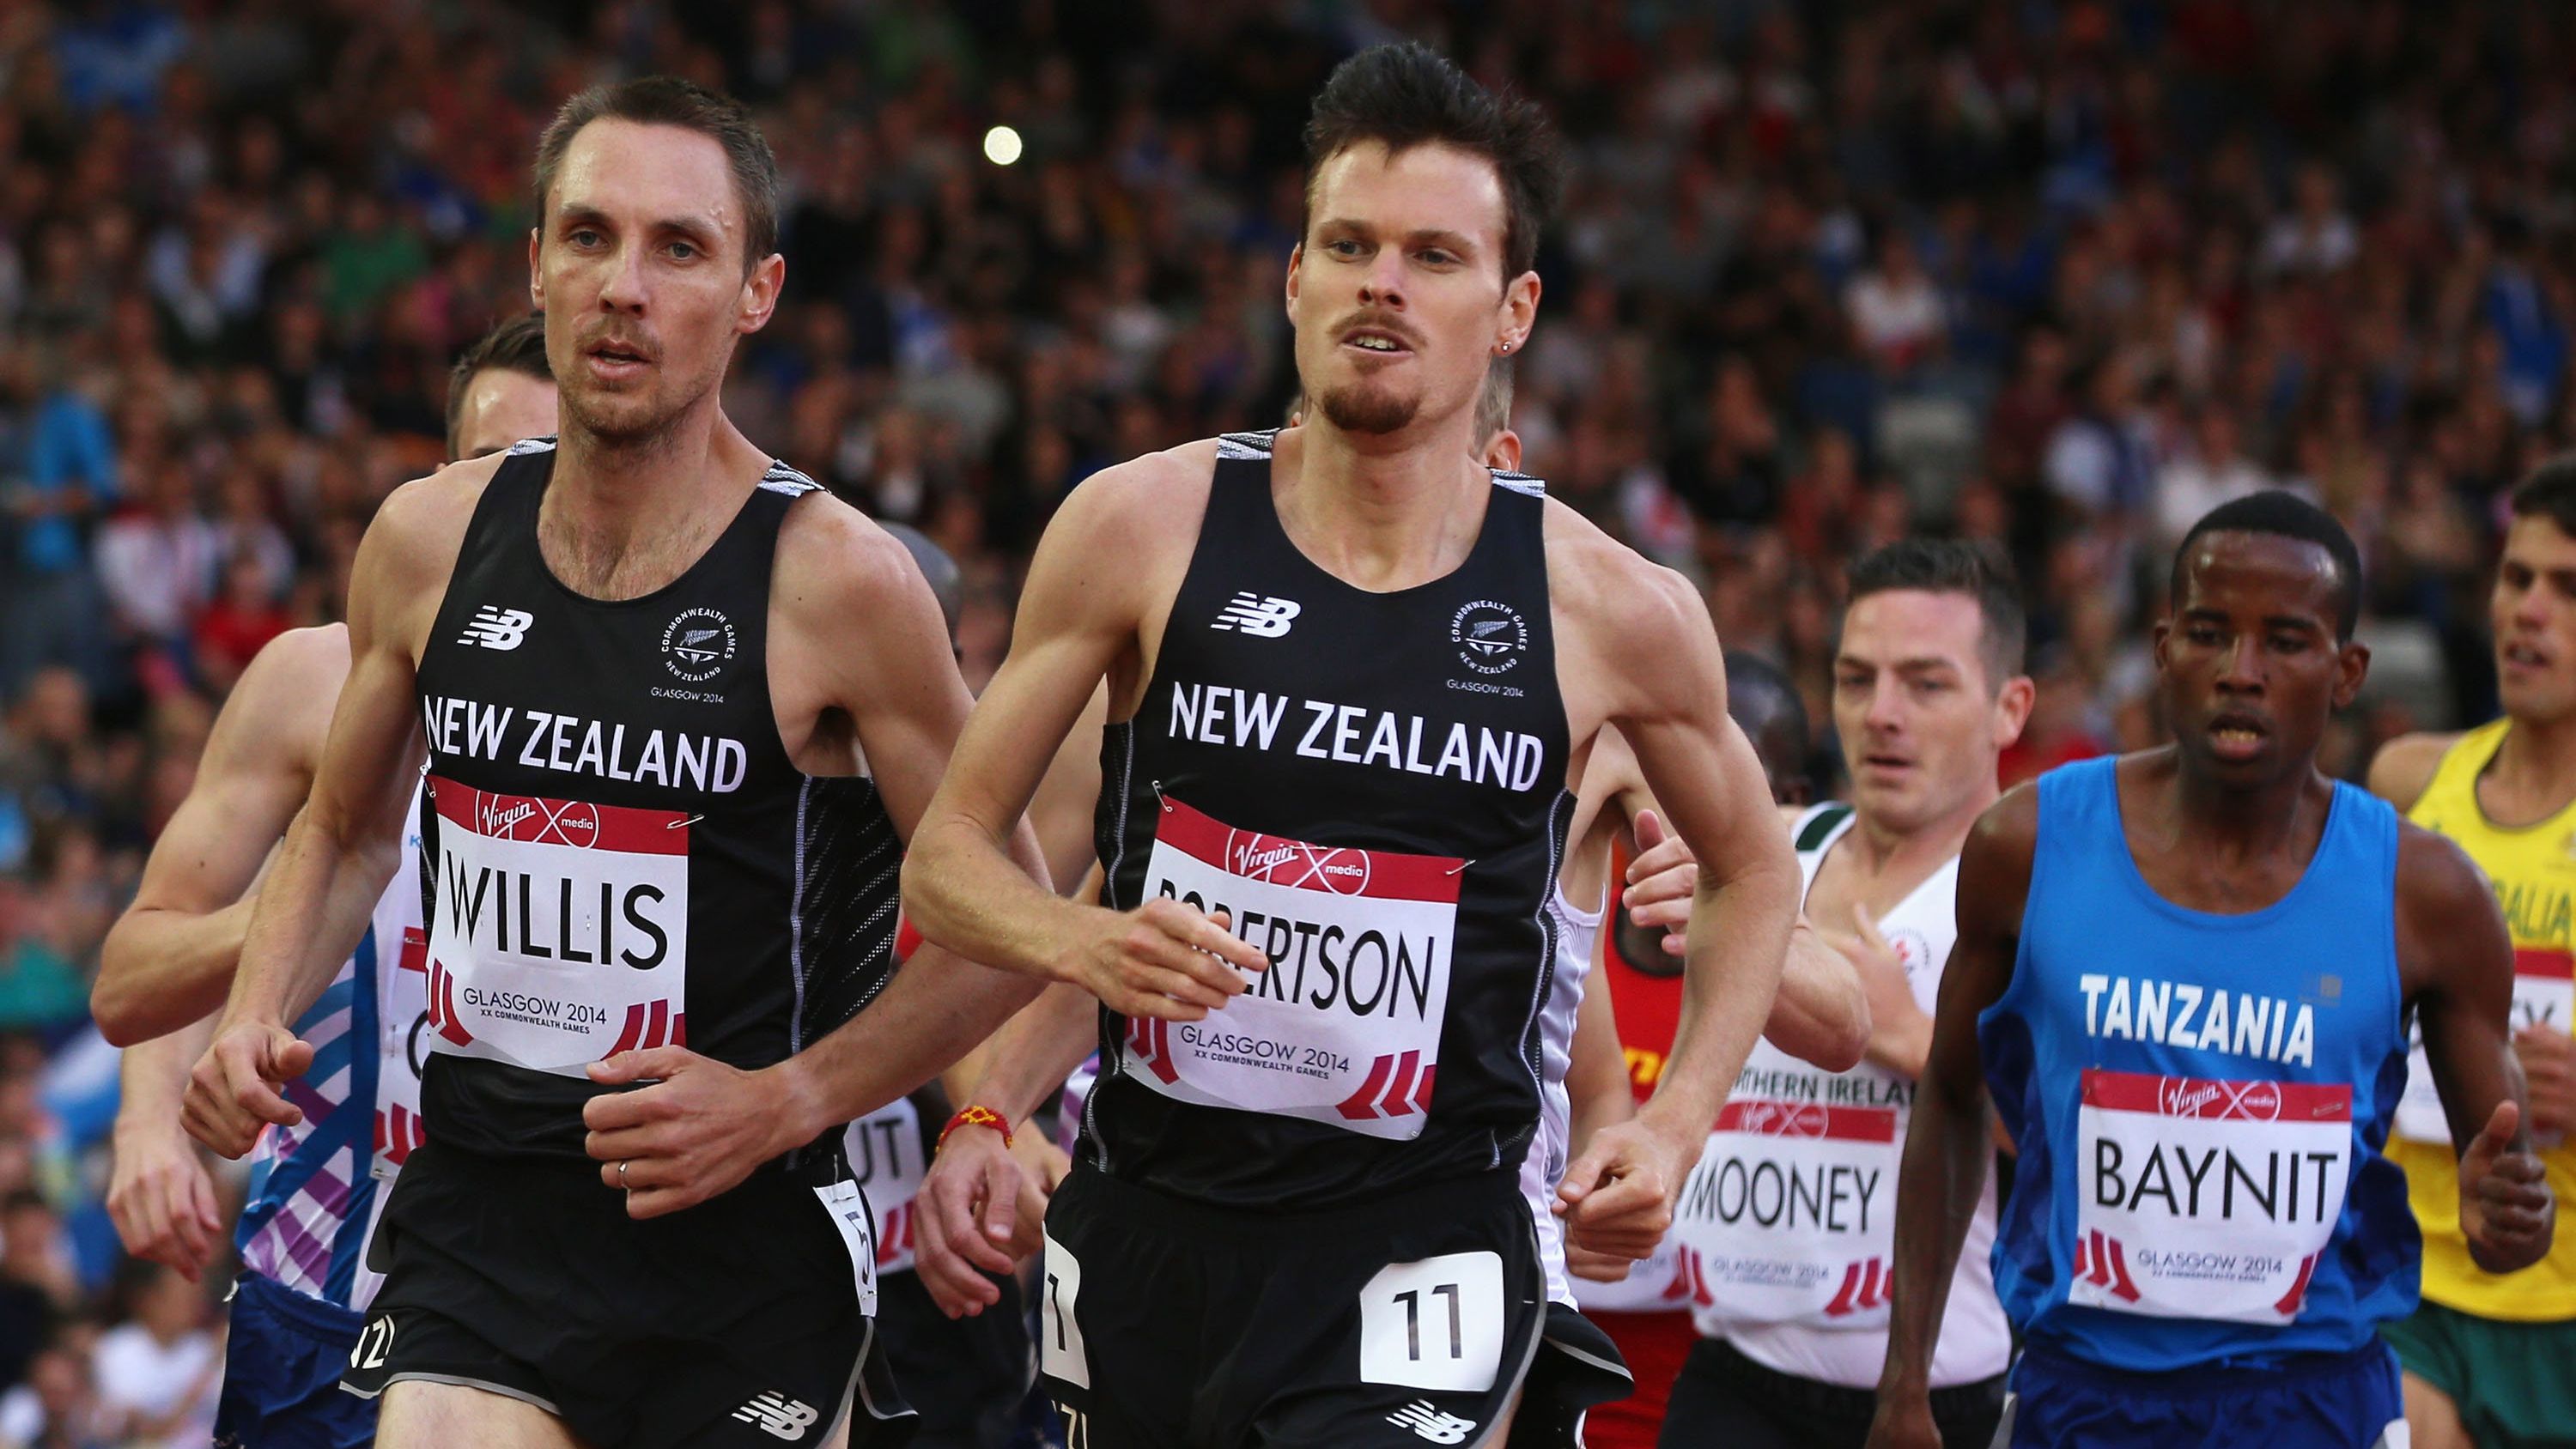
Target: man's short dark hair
{"points": [[2550, 492], [518, 345], [661, 100], [2284, 515], [1974, 567], [1405, 95]]}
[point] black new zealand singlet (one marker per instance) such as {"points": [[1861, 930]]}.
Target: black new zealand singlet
{"points": [[1373, 785], [619, 852]]}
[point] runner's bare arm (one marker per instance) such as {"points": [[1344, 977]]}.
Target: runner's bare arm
{"points": [[158, 1192], [170, 958], [1641, 637], [2404, 767], [1597, 1089], [981, 1203], [1119, 541], [1061, 812], [977, 1197], [704, 1126], [345, 845], [1822, 1014], [1944, 1172], [1599, 1097], [898, 683], [1819, 1014], [2456, 961]]}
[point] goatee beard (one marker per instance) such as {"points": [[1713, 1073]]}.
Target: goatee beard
{"points": [[1366, 410]]}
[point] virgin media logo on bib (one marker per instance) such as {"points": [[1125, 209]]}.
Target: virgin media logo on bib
{"points": [[1344, 1027], [1280, 861], [522, 817], [2206, 1198]]}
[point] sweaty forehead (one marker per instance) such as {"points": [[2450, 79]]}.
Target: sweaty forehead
{"points": [[1895, 625], [1432, 186], [2264, 572], [628, 171]]}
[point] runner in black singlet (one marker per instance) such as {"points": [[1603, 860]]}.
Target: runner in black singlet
{"points": [[1352, 674], [678, 709]]}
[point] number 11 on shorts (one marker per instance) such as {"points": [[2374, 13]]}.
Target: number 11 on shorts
{"points": [[1434, 1324]]}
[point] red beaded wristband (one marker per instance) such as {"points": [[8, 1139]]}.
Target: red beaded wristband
{"points": [[979, 1116]]}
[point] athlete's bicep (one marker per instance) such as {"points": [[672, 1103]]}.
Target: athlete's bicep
{"points": [[901, 689], [1690, 755], [252, 778], [1078, 614], [371, 755], [1993, 883]]}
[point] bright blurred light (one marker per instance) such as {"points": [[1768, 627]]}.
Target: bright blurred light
{"points": [[1001, 145]]}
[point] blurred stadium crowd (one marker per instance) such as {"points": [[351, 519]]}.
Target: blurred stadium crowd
{"points": [[2065, 275]]}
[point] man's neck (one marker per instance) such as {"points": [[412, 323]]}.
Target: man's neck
{"points": [[1885, 852], [2535, 768], [2241, 824], [611, 498], [1382, 511]]}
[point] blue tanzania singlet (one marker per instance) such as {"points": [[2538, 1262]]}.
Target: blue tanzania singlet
{"points": [[2200, 1101]]}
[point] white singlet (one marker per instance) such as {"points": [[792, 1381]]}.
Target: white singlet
{"points": [[1788, 1226]]}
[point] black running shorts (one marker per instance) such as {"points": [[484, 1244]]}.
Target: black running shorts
{"points": [[733, 1323], [967, 1379], [1408, 1321]]}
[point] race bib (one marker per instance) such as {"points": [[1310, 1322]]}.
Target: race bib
{"points": [[2206, 1199], [1660, 1283], [849, 1209], [403, 1024], [561, 935], [1345, 1025], [2543, 995], [887, 1160], [1061, 1354], [1434, 1324], [1790, 1216]]}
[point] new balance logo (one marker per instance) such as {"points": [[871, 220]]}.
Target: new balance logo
{"points": [[1431, 1424], [1258, 615], [783, 1417], [497, 628]]}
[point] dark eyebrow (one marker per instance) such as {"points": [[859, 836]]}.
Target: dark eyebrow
{"points": [[695, 229], [1425, 236]]}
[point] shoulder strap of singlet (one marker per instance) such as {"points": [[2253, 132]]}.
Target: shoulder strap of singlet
{"points": [[512, 497], [1820, 824], [752, 538], [2368, 826], [787, 481]]}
